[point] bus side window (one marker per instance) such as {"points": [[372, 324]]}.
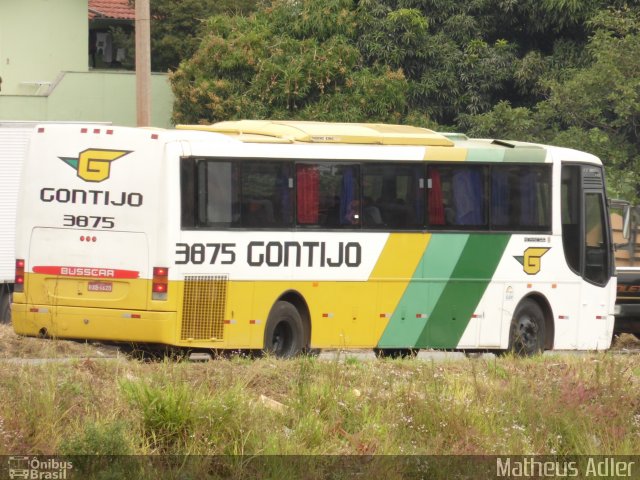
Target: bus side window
{"points": [[570, 206], [217, 193], [596, 244], [187, 193], [328, 195], [266, 195], [457, 196], [520, 197], [393, 196], [209, 195]]}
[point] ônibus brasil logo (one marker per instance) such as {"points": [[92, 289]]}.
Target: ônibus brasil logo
{"points": [[94, 164]]}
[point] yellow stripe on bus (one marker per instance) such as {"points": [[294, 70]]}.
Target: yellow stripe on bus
{"points": [[395, 268], [445, 154]]}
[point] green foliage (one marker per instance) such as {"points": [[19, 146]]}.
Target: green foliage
{"points": [[98, 439], [175, 27], [593, 99], [319, 19], [550, 71], [502, 121], [167, 413], [254, 67]]}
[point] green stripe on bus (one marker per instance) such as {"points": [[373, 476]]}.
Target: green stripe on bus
{"points": [[525, 155], [486, 155], [459, 299], [432, 273]]}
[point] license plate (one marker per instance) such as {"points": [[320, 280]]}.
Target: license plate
{"points": [[100, 287]]}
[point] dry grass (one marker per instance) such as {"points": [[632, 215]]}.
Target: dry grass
{"points": [[554, 404], [626, 341]]}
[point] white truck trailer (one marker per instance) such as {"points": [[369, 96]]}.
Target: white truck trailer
{"points": [[14, 138]]}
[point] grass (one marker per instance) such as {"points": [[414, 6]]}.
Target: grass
{"points": [[553, 405]]}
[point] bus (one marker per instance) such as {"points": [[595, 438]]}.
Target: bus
{"points": [[14, 138], [285, 236]]}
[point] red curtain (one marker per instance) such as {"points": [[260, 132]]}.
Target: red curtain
{"points": [[435, 204], [308, 181]]}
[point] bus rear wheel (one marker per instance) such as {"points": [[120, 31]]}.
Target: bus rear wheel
{"points": [[284, 334], [527, 332]]}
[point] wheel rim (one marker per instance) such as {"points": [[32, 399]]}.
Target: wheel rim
{"points": [[282, 339]]}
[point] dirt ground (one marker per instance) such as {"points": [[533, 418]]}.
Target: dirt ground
{"points": [[15, 346]]}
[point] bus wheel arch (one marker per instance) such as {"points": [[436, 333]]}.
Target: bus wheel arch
{"points": [[532, 329]]}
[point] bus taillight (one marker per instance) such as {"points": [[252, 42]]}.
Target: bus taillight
{"points": [[160, 284], [19, 280]]}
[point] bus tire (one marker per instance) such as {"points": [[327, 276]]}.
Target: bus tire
{"points": [[5, 308], [527, 332], [284, 334]]}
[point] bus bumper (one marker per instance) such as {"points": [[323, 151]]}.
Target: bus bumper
{"points": [[94, 323]]}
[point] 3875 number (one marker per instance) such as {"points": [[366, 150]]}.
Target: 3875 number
{"points": [[83, 221], [199, 253]]}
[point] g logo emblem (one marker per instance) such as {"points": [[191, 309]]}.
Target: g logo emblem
{"points": [[93, 164], [532, 259]]}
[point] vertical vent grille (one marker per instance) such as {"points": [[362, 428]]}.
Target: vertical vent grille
{"points": [[205, 299]]}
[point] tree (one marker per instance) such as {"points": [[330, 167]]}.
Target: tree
{"points": [[293, 60], [175, 27], [552, 71], [595, 107], [339, 59]]}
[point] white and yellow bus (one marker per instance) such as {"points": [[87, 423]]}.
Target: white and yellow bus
{"points": [[283, 236]]}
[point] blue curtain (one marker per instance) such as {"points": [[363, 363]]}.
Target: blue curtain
{"points": [[468, 193], [500, 197], [528, 207]]}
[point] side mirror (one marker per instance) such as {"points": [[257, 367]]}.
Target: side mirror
{"points": [[626, 222], [621, 222]]}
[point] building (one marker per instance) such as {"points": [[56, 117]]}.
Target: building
{"points": [[71, 60]]}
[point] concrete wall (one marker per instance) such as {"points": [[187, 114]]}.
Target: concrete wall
{"points": [[99, 95], [38, 40]]}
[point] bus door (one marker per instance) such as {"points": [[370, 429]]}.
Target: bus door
{"points": [[587, 246]]}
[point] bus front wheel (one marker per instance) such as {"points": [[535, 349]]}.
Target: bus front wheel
{"points": [[527, 332], [284, 335]]}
